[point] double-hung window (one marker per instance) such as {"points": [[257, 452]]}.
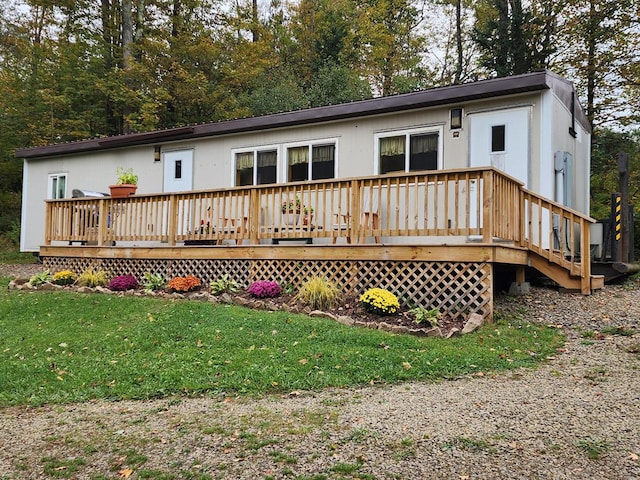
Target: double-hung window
{"points": [[409, 151], [256, 167], [57, 186], [315, 161]]}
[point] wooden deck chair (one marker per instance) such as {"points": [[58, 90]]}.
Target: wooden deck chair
{"points": [[370, 212], [342, 221]]}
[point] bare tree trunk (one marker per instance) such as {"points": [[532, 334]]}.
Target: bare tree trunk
{"points": [[127, 33], [127, 44], [139, 21], [458, 75], [254, 21], [591, 63]]}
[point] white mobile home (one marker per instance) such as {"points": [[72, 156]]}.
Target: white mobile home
{"points": [[530, 126], [428, 157]]}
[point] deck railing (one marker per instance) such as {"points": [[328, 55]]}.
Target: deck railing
{"points": [[483, 204]]}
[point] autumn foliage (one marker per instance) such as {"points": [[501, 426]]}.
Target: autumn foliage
{"points": [[184, 284]]}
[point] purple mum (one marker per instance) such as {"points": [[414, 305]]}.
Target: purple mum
{"points": [[265, 289], [123, 282]]}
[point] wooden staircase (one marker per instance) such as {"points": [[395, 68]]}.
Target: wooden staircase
{"points": [[565, 277]]}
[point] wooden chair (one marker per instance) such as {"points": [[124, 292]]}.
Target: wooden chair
{"points": [[342, 221], [370, 216], [370, 212]]}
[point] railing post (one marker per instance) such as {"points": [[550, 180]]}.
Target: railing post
{"points": [[488, 196], [173, 220], [585, 256], [103, 222], [254, 216], [523, 218], [354, 210]]}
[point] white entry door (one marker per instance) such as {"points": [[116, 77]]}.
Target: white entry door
{"points": [[178, 171], [500, 139]]}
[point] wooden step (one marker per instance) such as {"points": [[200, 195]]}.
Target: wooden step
{"points": [[563, 277]]}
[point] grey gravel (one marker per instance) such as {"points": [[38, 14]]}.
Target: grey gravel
{"points": [[524, 424]]}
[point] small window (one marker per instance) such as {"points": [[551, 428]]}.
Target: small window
{"points": [[267, 167], [423, 153], [323, 162], [256, 167], [315, 162], [57, 186], [178, 170], [298, 164], [392, 154], [498, 138], [408, 152]]}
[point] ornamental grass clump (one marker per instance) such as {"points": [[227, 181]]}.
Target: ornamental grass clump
{"points": [[64, 277], [122, 283], [265, 289], [318, 293], [93, 278], [184, 284], [379, 301]]}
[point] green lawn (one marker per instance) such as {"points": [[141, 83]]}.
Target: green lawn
{"points": [[10, 254], [59, 347]]}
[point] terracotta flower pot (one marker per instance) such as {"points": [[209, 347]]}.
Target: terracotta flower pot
{"points": [[122, 190]]}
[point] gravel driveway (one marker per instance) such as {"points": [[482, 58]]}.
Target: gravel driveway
{"points": [[576, 417]]}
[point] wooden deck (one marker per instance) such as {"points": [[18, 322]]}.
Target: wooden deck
{"points": [[432, 237]]}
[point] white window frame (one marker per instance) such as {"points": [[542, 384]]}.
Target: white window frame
{"points": [[309, 144], [57, 176], [407, 134], [255, 151]]}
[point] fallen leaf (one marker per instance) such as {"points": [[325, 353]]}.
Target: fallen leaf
{"points": [[303, 361], [406, 365], [634, 457], [125, 472]]}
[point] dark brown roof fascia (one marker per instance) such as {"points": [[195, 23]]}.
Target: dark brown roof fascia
{"points": [[454, 94]]}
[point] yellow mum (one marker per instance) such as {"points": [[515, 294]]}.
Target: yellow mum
{"points": [[380, 301]]}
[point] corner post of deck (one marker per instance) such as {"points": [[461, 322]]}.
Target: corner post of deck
{"points": [[585, 256], [173, 220], [522, 217], [488, 196], [47, 222], [254, 216], [103, 223]]}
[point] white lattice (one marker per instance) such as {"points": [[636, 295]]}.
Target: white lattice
{"points": [[454, 288]]}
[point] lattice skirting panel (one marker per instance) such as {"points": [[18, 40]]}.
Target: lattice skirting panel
{"points": [[455, 288]]}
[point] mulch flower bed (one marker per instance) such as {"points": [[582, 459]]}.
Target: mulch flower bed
{"points": [[349, 312]]}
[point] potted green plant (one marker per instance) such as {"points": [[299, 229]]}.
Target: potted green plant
{"points": [[291, 210], [126, 185], [307, 215]]}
